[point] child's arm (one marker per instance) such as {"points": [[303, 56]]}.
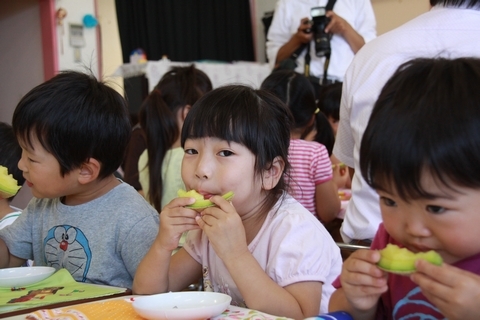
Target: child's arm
{"points": [[8, 260], [362, 284], [454, 291], [160, 272], [327, 202], [227, 235]]}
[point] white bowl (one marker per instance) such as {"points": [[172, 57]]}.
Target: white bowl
{"points": [[23, 276], [185, 305]]}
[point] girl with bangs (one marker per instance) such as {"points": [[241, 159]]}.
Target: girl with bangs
{"points": [[263, 248]]}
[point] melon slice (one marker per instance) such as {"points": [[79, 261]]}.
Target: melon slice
{"points": [[8, 184], [402, 261], [200, 202]]}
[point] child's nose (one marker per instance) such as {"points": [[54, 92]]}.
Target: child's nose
{"points": [[203, 170], [21, 165], [416, 227]]}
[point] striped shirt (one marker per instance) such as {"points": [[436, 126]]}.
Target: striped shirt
{"points": [[310, 166]]}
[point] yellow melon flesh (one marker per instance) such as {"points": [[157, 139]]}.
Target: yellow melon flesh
{"points": [[8, 185], [401, 260], [200, 202]]}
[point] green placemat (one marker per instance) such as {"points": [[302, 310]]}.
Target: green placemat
{"points": [[59, 287]]}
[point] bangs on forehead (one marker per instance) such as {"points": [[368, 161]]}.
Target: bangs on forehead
{"points": [[27, 137], [225, 118]]}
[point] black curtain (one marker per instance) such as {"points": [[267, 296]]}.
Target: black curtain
{"points": [[186, 30]]}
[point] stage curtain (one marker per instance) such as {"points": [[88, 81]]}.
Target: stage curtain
{"points": [[186, 30]]}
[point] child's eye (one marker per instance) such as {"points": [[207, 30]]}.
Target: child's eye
{"points": [[436, 209], [388, 202], [225, 153], [191, 151]]}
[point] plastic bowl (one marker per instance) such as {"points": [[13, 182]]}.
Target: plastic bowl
{"points": [[24, 276], [186, 305]]}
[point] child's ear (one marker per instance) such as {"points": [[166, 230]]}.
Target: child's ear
{"points": [[273, 174], [185, 111], [89, 171]]}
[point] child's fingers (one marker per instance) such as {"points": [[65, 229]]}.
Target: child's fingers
{"points": [[363, 263], [179, 202], [223, 204]]}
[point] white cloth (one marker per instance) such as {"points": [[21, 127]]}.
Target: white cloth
{"points": [[292, 246], [171, 174], [9, 218], [449, 32], [286, 20]]}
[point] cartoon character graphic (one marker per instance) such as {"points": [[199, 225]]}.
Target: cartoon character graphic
{"points": [[67, 247], [38, 294]]}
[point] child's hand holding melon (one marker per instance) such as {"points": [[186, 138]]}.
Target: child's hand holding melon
{"points": [[200, 202]]}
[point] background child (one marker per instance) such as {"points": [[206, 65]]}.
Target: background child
{"points": [[420, 152], [73, 131], [311, 172], [265, 250], [10, 154], [329, 105], [161, 117]]}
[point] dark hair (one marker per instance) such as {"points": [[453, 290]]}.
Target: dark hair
{"points": [[75, 117], [426, 119], [456, 3], [329, 100], [325, 134], [254, 118], [10, 153], [177, 88], [296, 91]]}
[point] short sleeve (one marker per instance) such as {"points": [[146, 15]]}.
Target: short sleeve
{"points": [[321, 165]]}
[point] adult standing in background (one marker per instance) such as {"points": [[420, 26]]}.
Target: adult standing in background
{"points": [[352, 23], [450, 28]]}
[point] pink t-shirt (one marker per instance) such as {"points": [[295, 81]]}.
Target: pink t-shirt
{"points": [[310, 166], [404, 298], [291, 246]]}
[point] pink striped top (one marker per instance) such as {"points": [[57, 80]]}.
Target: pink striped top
{"points": [[310, 166]]}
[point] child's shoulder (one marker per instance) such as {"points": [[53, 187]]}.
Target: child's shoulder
{"points": [[305, 146], [289, 211], [125, 198]]}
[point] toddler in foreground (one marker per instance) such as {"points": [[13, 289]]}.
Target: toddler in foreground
{"points": [[264, 249], [420, 152]]}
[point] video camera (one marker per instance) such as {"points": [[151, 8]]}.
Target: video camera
{"points": [[320, 37]]}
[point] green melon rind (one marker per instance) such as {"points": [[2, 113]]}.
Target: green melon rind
{"points": [[202, 204]]}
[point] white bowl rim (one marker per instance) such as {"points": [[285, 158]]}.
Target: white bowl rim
{"points": [[140, 301]]}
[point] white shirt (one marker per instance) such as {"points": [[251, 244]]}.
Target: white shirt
{"points": [[286, 20], [446, 32]]}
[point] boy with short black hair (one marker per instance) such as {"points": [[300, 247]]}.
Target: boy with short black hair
{"points": [[73, 131]]}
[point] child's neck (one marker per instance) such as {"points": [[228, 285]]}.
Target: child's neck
{"points": [[5, 208], [92, 191], [252, 224]]}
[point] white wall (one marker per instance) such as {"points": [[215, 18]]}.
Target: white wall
{"points": [[110, 42], [69, 56], [393, 13]]}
